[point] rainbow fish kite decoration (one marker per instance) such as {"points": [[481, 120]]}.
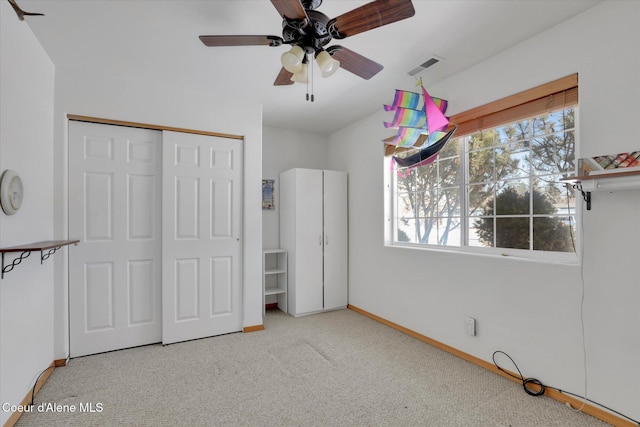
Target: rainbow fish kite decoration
{"points": [[424, 127]]}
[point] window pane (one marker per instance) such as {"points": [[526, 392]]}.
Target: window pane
{"points": [[513, 199], [406, 231], [553, 153], [512, 160], [449, 231], [407, 183], [554, 233], [565, 201], [425, 203], [544, 159], [513, 132], [449, 202], [512, 233], [451, 148], [551, 196], [558, 121], [566, 152], [481, 166], [480, 140], [427, 230], [569, 118], [449, 170], [426, 177], [404, 205], [481, 199], [481, 232]]}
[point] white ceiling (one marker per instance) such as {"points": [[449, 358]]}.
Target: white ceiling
{"points": [[157, 41]]}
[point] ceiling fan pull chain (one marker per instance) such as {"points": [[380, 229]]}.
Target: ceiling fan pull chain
{"points": [[309, 75], [311, 79]]}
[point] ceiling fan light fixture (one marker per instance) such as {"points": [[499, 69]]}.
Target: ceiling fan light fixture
{"points": [[327, 64], [292, 60], [302, 76], [307, 30]]}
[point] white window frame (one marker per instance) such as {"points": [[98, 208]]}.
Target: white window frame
{"points": [[390, 237]]}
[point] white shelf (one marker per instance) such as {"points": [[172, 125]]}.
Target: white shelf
{"points": [[274, 291], [620, 180], [274, 276], [273, 251]]}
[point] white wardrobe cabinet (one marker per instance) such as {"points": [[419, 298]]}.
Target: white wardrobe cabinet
{"points": [[313, 230]]}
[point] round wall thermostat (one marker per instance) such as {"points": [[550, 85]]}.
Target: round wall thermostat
{"points": [[11, 192]]}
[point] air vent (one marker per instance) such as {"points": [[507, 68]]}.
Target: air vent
{"points": [[426, 64]]}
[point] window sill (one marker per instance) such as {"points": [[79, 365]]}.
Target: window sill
{"points": [[512, 254]]}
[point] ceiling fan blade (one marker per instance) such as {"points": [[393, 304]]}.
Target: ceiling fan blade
{"points": [[354, 62], [214, 41], [284, 78], [369, 16], [290, 10]]}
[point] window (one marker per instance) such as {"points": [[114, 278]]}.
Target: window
{"points": [[496, 186]]}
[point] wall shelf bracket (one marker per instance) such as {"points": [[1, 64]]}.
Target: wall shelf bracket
{"points": [[611, 181], [45, 256], [46, 249], [586, 195], [8, 267]]}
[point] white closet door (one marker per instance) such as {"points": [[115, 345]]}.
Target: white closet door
{"points": [[202, 248], [114, 209], [309, 240], [335, 239]]}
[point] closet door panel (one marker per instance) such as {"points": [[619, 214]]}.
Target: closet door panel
{"points": [[202, 236], [335, 239], [114, 209], [309, 240]]}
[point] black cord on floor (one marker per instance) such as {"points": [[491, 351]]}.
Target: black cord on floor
{"points": [[33, 391], [542, 388], [525, 381]]}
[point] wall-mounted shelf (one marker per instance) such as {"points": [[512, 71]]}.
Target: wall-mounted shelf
{"points": [[622, 180], [50, 246]]}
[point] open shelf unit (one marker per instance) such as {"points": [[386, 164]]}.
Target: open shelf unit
{"points": [[274, 276]]}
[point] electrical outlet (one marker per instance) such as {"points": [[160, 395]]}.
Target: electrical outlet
{"points": [[470, 326]]}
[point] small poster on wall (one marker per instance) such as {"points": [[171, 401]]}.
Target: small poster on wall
{"points": [[610, 163], [267, 193]]}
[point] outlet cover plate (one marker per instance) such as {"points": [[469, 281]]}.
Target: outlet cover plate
{"points": [[470, 326]]}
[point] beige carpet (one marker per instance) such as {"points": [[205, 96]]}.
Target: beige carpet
{"points": [[332, 369]]}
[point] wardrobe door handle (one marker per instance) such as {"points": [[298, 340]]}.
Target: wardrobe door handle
{"points": [[326, 239], [320, 240]]}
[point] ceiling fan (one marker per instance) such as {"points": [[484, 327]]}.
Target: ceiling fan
{"points": [[308, 31]]}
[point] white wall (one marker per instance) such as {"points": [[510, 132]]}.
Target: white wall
{"points": [[531, 310], [284, 149], [138, 101], [26, 146]]}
